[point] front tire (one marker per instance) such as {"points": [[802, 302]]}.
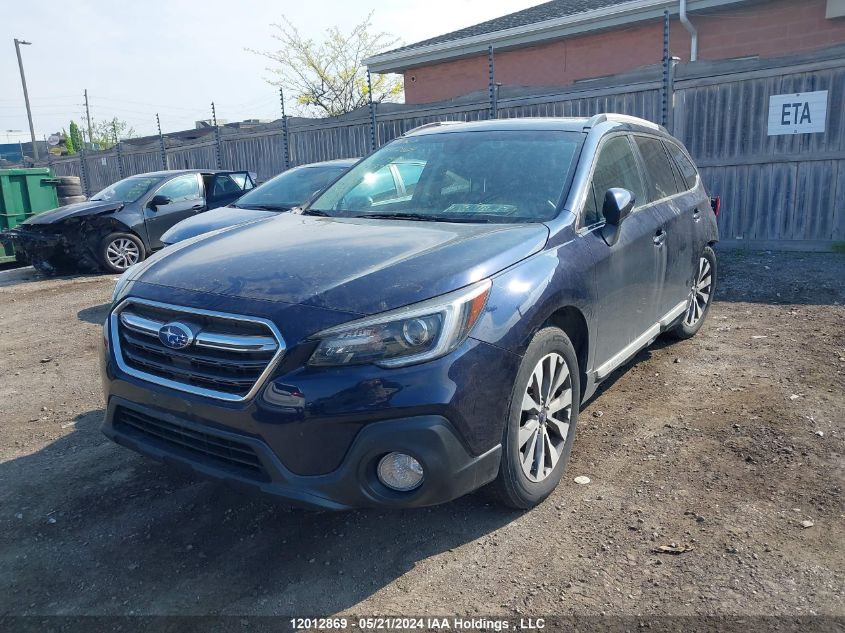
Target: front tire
{"points": [[540, 429], [119, 251], [700, 297]]}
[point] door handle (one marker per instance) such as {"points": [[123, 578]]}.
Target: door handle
{"points": [[659, 237], [696, 215], [196, 207]]}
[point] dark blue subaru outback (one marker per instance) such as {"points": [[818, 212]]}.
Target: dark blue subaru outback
{"points": [[428, 325]]}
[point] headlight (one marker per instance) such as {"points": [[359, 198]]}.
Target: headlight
{"points": [[122, 281], [409, 335]]}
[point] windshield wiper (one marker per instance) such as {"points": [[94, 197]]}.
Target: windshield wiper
{"points": [[424, 217], [403, 216], [317, 212], [263, 207]]}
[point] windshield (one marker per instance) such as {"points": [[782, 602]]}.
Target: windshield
{"points": [[291, 188], [128, 189], [495, 176]]}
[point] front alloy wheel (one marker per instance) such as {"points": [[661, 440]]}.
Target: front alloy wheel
{"points": [[544, 424], [119, 251], [542, 417], [123, 253]]}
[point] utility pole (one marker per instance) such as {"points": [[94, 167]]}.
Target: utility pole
{"points": [[88, 116], [18, 44]]}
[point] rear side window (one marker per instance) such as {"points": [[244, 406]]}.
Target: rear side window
{"points": [[225, 185], [615, 167], [688, 170], [181, 189], [660, 181], [409, 173]]}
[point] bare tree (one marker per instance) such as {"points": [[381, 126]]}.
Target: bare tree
{"points": [[328, 77], [105, 130]]}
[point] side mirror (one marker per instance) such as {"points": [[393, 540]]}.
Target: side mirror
{"points": [[158, 201], [618, 204]]}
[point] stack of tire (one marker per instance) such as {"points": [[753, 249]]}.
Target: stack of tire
{"points": [[69, 190]]}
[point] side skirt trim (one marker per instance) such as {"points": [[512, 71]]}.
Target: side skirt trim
{"points": [[643, 340]]}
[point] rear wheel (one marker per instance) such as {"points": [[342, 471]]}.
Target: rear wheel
{"points": [[700, 296], [541, 427], [119, 251]]}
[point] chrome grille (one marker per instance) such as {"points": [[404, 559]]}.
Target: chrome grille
{"points": [[228, 357]]}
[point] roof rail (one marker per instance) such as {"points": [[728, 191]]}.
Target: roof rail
{"points": [[625, 118], [594, 120], [620, 118], [425, 126]]}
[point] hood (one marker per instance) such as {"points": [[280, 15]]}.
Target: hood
{"points": [[89, 207], [363, 266], [211, 221]]}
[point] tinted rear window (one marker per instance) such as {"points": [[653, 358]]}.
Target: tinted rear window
{"points": [[688, 170], [660, 181]]}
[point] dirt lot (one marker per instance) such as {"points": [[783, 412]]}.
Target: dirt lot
{"points": [[725, 443]]}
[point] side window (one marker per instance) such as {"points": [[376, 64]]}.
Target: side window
{"points": [[615, 167], [182, 189], [224, 185], [688, 170], [376, 187], [660, 182], [410, 174], [242, 180]]}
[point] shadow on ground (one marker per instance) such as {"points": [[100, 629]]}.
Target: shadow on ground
{"points": [[150, 539], [94, 314], [12, 275]]}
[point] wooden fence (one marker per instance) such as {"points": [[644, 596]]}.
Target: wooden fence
{"points": [[777, 191]]}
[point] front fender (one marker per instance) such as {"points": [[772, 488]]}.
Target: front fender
{"points": [[524, 297]]}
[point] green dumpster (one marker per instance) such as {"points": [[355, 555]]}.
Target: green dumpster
{"points": [[23, 193]]}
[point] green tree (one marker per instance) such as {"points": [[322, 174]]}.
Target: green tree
{"points": [[74, 138], [69, 148], [105, 131], [328, 77]]}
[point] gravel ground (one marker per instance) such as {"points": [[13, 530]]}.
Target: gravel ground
{"points": [[727, 444]]}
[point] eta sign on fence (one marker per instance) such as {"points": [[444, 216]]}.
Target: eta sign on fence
{"points": [[800, 113]]}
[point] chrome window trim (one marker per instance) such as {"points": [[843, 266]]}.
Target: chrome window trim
{"points": [[114, 336]]}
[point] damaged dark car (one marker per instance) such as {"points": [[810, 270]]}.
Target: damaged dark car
{"points": [[122, 224]]}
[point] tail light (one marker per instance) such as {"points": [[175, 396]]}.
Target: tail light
{"points": [[716, 205]]}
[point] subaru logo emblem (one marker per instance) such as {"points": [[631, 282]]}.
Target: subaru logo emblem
{"points": [[176, 335]]}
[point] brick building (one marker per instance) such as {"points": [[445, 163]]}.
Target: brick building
{"points": [[563, 41]]}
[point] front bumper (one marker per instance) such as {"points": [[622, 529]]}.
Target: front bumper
{"points": [[32, 244], [31, 239], [317, 432], [450, 471]]}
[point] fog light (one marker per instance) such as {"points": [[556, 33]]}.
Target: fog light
{"points": [[400, 472]]}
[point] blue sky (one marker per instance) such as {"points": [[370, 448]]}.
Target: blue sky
{"points": [[175, 56]]}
